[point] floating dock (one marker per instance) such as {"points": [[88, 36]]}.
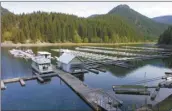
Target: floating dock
{"points": [[96, 98], [111, 52], [147, 48], [128, 49], [90, 55], [110, 60], [39, 78], [12, 80], [129, 89]]}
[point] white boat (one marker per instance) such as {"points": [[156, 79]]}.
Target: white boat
{"points": [[42, 63], [22, 54], [29, 51]]}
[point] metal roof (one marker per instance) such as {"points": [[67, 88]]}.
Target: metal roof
{"points": [[66, 58], [43, 52], [41, 60]]}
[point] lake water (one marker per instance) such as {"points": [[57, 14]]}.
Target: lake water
{"points": [[56, 95]]}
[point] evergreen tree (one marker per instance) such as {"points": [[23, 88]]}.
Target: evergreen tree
{"points": [[57, 27]]}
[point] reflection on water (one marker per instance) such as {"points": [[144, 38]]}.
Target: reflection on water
{"points": [[47, 80], [80, 76], [54, 94], [168, 62], [118, 71]]}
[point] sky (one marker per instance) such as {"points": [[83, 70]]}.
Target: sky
{"points": [[85, 9]]}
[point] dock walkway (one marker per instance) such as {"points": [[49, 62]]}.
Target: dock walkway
{"points": [[18, 79], [96, 98]]}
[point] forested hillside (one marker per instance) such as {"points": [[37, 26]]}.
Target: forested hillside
{"points": [[166, 37], [121, 24], [57, 27], [145, 25]]}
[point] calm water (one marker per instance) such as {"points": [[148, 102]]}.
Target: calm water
{"points": [[56, 95]]}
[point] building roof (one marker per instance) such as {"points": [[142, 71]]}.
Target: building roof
{"points": [[41, 60], [43, 52], [66, 58]]}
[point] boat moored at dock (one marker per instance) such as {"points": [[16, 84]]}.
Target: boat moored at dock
{"points": [[42, 63]]}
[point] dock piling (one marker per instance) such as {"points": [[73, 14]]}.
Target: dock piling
{"points": [[22, 82], [3, 85]]}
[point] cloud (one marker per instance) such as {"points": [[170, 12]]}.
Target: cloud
{"points": [[85, 9]]}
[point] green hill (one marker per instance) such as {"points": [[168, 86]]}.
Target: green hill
{"points": [[58, 27], [120, 26], [145, 25]]}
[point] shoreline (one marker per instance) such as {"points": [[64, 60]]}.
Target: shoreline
{"points": [[68, 44]]}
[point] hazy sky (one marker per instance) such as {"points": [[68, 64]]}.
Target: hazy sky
{"points": [[85, 9]]}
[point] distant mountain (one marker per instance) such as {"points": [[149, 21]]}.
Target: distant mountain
{"points": [[93, 15], [4, 11], [164, 19], [143, 24]]}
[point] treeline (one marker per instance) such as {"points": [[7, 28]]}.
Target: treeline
{"points": [[57, 27], [166, 37]]}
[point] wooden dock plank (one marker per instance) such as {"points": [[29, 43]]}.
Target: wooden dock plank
{"points": [[6, 81], [39, 78], [11, 80], [87, 93]]}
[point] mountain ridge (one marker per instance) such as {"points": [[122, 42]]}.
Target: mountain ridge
{"points": [[4, 11], [143, 23], [166, 19]]}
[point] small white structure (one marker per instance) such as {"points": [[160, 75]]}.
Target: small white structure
{"points": [[169, 78], [42, 63], [70, 63], [44, 54]]}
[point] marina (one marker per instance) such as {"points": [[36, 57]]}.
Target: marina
{"points": [[90, 55], [80, 56], [95, 97], [123, 49], [112, 60], [111, 52]]}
